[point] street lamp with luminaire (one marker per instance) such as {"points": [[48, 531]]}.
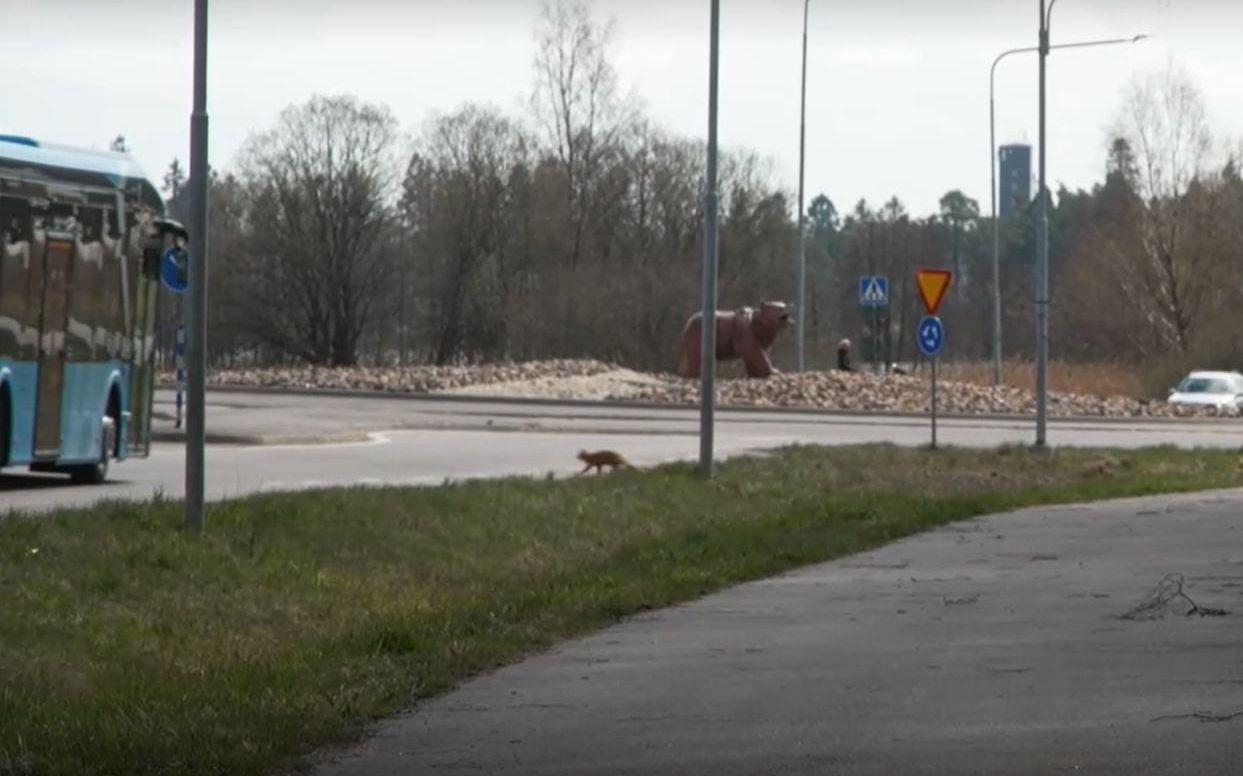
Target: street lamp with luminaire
{"points": [[992, 161]]}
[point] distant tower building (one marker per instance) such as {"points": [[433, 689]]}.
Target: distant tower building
{"points": [[1015, 184]]}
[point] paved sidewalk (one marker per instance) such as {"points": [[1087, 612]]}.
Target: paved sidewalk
{"points": [[995, 646]]}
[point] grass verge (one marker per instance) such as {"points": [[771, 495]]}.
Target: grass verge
{"points": [[128, 646]]}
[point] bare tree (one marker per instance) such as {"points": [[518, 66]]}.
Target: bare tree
{"points": [[321, 185], [1165, 126], [174, 179], [458, 190], [584, 238], [577, 102], [959, 213]]}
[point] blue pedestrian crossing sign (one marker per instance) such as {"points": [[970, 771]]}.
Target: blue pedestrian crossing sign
{"points": [[931, 336], [873, 291], [174, 268]]}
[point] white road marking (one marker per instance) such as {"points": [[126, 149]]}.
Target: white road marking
{"points": [[373, 438]]}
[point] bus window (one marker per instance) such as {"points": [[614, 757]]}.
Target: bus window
{"points": [[144, 241], [16, 229], [92, 224], [151, 262], [63, 218], [115, 313], [15, 223], [89, 299], [112, 222]]}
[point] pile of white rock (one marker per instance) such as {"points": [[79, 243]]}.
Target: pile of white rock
{"points": [[597, 380]]}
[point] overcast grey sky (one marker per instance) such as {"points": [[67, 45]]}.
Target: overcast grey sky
{"points": [[897, 99]]}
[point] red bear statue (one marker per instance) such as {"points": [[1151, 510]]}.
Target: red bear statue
{"points": [[743, 333]]}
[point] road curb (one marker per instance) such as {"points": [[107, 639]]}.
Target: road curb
{"points": [[743, 408], [260, 440]]}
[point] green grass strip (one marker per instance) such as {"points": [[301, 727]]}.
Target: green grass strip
{"points": [[128, 646]]}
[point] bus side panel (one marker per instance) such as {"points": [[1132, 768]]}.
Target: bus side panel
{"points": [[20, 265], [87, 386], [91, 371], [142, 375], [22, 379]]}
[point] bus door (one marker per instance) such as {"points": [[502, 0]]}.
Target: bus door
{"points": [[57, 260], [148, 241]]}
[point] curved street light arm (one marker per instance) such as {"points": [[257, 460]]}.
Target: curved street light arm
{"points": [[1048, 17], [1104, 42], [993, 70], [992, 177]]}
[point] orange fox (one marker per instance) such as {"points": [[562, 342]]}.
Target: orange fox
{"points": [[600, 459]]}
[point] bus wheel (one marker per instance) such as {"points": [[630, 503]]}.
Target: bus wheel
{"points": [[96, 473]]}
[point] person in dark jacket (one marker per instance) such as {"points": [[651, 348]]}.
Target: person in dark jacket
{"points": [[843, 356]]}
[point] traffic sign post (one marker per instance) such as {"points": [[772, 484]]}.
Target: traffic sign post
{"points": [[932, 285], [180, 353], [873, 291], [930, 337], [175, 270], [874, 295], [174, 275]]}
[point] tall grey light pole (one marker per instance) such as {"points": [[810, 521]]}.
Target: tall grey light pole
{"points": [[196, 309], [992, 162], [707, 349], [992, 181], [800, 315], [1042, 253]]}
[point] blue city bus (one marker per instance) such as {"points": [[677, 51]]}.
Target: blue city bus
{"points": [[81, 236]]}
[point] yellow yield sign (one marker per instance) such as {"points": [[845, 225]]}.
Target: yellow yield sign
{"points": [[932, 284]]}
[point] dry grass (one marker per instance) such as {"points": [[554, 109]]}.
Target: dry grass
{"points": [[1089, 379]]}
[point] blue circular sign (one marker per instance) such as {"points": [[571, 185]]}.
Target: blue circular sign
{"points": [[930, 336], [174, 270]]}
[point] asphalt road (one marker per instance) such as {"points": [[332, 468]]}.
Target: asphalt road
{"points": [[289, 442], [996, 646]]}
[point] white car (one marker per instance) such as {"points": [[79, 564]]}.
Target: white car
{"points": [[1223, 390]]}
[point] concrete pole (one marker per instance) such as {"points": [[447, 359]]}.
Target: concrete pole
{"points": [[992, 180], [196, 309], [707, 350], [800, 297], [1042, 254]]}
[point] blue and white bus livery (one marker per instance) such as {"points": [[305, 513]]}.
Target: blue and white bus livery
{"points": [[81, 235]]}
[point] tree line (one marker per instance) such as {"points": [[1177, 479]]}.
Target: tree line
{"points": [[575, 230]]}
